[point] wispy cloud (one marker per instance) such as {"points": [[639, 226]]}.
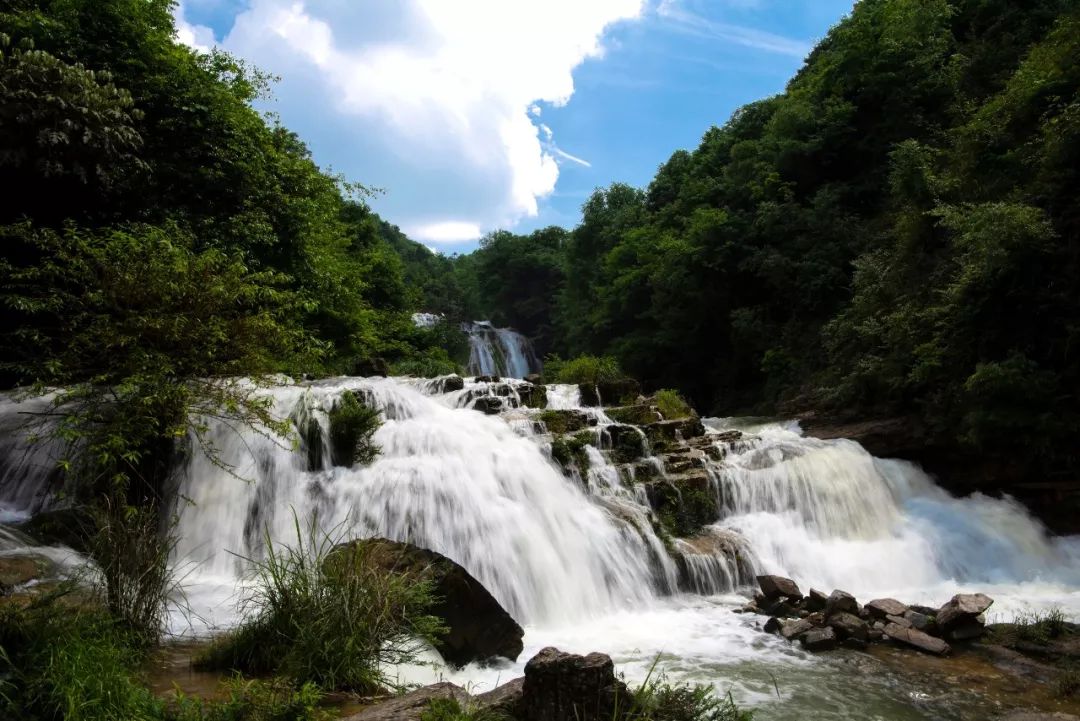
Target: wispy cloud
{"points": [[572, 158], [690, 23]]}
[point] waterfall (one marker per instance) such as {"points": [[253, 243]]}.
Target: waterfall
{"points": [[499, 351], [448, 478], [561, 551]]}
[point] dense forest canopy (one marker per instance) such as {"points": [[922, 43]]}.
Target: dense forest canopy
{"points": [[896, 233]]}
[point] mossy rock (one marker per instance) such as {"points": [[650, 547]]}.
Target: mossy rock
{"points": [[610, 393], [569, 452], [558, 422], [639, 414], [685, 502], [627, 443], [664, 434], [533, 396]]}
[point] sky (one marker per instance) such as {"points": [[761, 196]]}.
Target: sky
{"points": [[470, 116]]}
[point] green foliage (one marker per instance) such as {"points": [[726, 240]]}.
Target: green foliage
{"points": [[587, 369], [352, 424], [450, 709], [432, 364], [253, 700], [335, 620], [656, 699], [62, 662], [671, 405]]}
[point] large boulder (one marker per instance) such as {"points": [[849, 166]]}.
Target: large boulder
{"points": [[917, 639], [627, 443], [685, 502], [503, 701], [778, 587], [413, 705], [639, 414], [479, 628], [961, 618], [489, 405], [566, 687]]}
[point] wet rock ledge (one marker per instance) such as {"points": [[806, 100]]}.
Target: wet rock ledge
{"points": [[821, 622]]}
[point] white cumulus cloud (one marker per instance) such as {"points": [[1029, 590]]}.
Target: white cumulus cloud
{"points": [[434, 101]]}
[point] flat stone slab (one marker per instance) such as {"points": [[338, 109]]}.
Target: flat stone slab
{"points": [[918, 639]]}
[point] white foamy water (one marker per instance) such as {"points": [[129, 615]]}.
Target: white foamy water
{"points": [[576, 561]]}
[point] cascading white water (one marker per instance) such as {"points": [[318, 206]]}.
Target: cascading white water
{"points": [[830, 515], [499, 351], [447, 478]]}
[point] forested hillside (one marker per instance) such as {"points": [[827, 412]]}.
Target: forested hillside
{"points": [[896, 233]]}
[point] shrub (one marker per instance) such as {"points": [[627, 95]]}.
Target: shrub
{"points": [[66, 661], [352, 424], [254, 700], [671, 405], [586, 369], [332, 619], [432, 364]]}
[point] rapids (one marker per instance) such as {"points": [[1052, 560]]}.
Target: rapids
{"points": [[577, 561]]}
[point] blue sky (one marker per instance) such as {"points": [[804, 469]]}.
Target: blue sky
{"points": [[475, 115]]}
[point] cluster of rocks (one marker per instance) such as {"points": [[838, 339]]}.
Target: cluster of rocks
{"points": [[557, 686], [822, 622]]}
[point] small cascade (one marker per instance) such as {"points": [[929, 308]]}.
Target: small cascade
{"points": [[29, 474], [499, 351]]}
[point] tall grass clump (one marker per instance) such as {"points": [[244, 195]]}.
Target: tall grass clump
{"points": [[671, 405], [253, 700], [327, 615], [1036, 627], [450, 709], [63, 660], [587, 369], [132, 552], [658, 700]]}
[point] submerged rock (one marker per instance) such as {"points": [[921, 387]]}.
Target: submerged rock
{"points": [[479, 628]]}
